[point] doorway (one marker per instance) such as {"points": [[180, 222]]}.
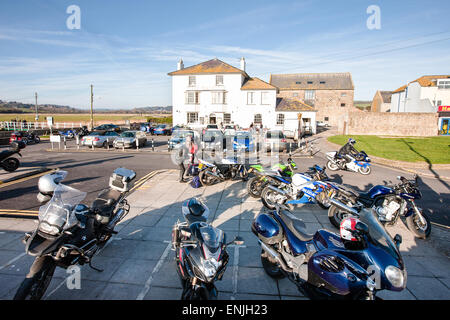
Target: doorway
{"points": [[212, 119], [444, 129]]}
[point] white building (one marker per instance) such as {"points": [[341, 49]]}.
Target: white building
{"points": [[424, 94], [214, 92]]}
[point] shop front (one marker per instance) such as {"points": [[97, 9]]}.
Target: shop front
{"points": [[444, 120]]}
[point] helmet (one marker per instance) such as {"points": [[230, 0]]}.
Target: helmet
{"points": [[351, 230], [196, 207], [292, 163], [351, 141], [49, 182]]}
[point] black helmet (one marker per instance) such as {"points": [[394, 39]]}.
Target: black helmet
{"points": [[196, 208]]}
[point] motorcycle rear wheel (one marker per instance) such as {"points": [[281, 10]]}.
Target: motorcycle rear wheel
{"points": [[34, 288], [205, 179], [10, 164], [335, 215], [365, 171], [253, 187], [415, 226], [271, 268]]}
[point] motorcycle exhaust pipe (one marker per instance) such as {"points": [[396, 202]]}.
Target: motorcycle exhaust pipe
{"points": [[213, 174], [344, 207], [119, 215], [273, 188], [275, 255]]}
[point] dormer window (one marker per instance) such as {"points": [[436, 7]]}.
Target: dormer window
{"points": [[219, 80], [191, 81]]}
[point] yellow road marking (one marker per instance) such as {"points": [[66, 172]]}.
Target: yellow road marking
{"points": [[26, 178]]}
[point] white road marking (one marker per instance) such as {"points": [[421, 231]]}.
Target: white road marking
{"points": [[12, 261], [235, 271]]}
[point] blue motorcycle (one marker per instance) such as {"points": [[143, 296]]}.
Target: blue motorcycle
{"points": [[324, 266], [360, 163], [389, 202], [309, 187]]}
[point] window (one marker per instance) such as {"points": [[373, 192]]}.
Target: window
{"points": [[250, 98], [322, 82], [265, 98], [295, 94], [310, 82], [326, 119], [219, 97], [443, 84], [192, 97], [258, 118], [191, 81], [437, 103], [342, 104], [192, 117], [310, 94], [219, 80], [298, 82], [280, 119], [226, 118], [343, 94]]}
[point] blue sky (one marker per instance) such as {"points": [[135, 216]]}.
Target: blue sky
{"points": [[126, 48]]}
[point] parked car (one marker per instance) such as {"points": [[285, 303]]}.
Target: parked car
{"points": [[135, 126], [28, 137], [100, 139], [243, 140], [275, 140], [179, 137], [130, 139], [107, 127], [212, 140], [162, 129], [147, 127], [212, 126]]}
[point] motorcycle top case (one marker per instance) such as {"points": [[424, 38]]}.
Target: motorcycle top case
{"points": [[121, 179], [267, 229]]}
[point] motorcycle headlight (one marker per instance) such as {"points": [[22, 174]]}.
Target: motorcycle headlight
{"points": [[46, 228], [209, 267], [395, 276]]}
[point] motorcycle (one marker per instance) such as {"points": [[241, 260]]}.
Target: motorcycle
{"points": [[359, 163], [309, 187], [256, 184], [389, 202], [7, 161], [200, 252], [68, 232], [28, 137], [322, 265], [210, 173]]}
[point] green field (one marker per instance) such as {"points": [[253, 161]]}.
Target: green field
{"points": [[80, 117], [412, 149]]}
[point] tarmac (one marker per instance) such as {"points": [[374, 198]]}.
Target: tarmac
{"points": [[138, 262]]}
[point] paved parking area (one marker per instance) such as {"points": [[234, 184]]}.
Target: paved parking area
{"points": [[138, 262]]}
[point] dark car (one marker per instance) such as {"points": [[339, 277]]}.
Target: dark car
{"points": [[162, 129], [107, 127]]}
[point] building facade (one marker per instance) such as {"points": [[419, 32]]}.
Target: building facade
{"points": [[214, 92], [330, 94], [381, 101], [424, 94]]}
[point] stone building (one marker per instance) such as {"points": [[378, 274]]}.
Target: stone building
{"points": [[381, 101], [330, 94]]}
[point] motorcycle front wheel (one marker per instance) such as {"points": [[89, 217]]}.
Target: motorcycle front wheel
{"points": [[34, 288], [365, 171], [335, 215], [332, 166], [37, 139], [253, 187], [420, 230], [10, 164], [206, 179]]}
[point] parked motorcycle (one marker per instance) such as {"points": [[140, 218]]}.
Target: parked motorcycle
{"points": [[200, 252], [28, 137], [360, 163], [256, 184], [389, 202], [326, 265], [70, 233], [7, 161], [309, 187], [210, 173]]}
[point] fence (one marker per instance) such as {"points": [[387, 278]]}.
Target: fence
{"points": [[25, 126]]}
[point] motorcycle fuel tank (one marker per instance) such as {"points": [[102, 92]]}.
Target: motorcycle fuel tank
{"points": [[379, 190], [267, 229]]}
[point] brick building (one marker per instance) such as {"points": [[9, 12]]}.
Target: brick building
{"points": [[381, 101], [330, 94]]}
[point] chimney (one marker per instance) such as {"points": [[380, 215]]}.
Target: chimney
{"points": [[242, 64], [180, 64]]}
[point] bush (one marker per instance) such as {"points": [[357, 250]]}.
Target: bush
{"points": [[167, 120]]}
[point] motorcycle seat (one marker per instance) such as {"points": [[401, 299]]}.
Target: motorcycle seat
{"points": [[105, 202], [296, 226], [5, 154]]}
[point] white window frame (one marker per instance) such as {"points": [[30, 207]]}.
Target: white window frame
{"points": [[280, 119], [310, 93], [192, 97], [251, 98], [192, 81], [443, 84], [254, 118], [265, 98], [227, 118], [218, 97], [192, 117], [219, 83]]}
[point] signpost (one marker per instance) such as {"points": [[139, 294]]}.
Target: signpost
{"points": [[55, 138], [50, 124]]}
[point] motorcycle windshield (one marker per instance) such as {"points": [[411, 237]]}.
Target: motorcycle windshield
{"points": [[211, 237], [57, 215], [378, 233]]}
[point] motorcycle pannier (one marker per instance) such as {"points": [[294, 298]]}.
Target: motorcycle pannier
{"points": [[267, 229], [121, 178]]}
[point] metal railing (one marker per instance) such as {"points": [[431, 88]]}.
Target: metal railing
{"points": [[35, 125]]}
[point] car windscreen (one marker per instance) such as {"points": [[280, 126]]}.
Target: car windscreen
{"points": [[182, 134], [209, 134], [275, 135], [128, 135], [96, 133]]}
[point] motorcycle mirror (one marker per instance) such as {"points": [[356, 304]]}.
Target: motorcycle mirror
{"points": [[398, 240]]}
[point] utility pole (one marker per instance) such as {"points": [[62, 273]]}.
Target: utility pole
{"points": [[36, 117], [92, 108]]}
